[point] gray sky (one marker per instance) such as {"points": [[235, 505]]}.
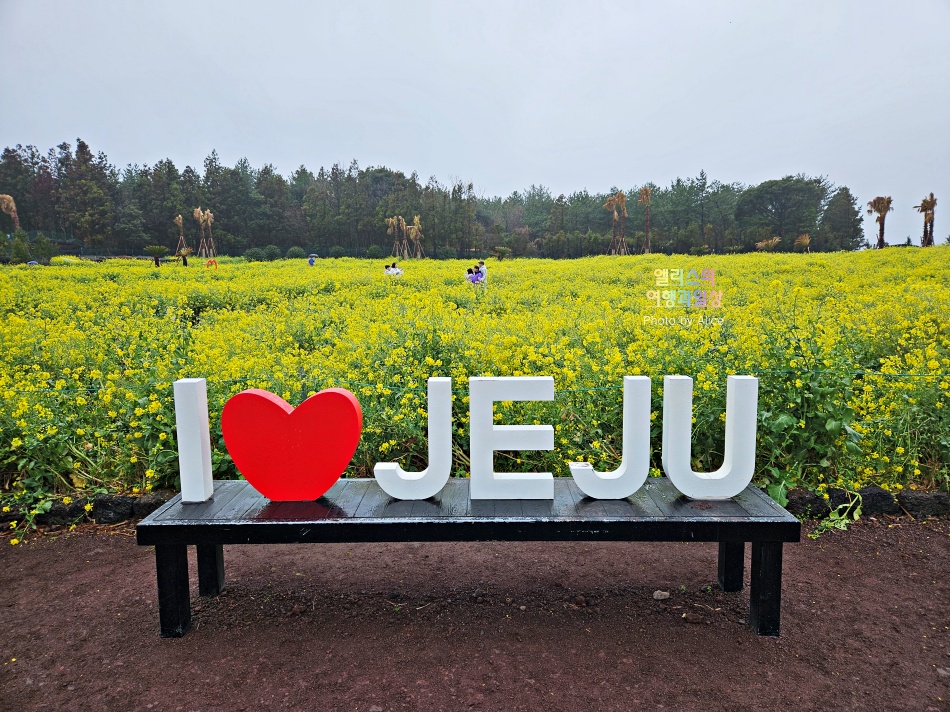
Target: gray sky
{"points": [[570, 95]]}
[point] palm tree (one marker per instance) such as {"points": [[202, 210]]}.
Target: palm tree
{"points": [[198, 216], [8, 206], [645, 195], [768, 245], [622, 202], [206, 248], [208, 218], [615, 201], [926, 207], [611, 204], [156, 251], [804, 241], [882, 206], [398, 229], [181, 236], [415, 234]]}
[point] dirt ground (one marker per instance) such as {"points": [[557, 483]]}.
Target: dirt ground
{"points": [[500, 626]]}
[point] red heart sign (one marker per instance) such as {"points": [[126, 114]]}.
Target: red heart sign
{"points": [[292, 454]]}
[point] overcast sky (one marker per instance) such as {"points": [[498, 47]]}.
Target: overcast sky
{"points": [[570, 95]]}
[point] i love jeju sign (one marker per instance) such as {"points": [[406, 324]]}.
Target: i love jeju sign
{"points": [[297, 454]]}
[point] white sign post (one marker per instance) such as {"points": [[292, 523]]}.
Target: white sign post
{"points": [[194, 439]]}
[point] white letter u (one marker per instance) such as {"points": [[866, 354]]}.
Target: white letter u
{"points": [[738, 466]]}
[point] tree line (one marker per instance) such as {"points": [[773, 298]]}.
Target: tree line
{"points": [[81, 202]]}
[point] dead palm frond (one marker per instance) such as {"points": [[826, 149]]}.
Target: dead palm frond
{"points": [[181, 236], [415, 234], [646, 193], [8, 206]]}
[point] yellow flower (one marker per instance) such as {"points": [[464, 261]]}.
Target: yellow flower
{"points": [[67, 500], [87, 507], [14, 542]]}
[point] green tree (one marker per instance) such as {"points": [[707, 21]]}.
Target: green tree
{"points": [[156, 252], [841, 226], [787, 207], [85, 201], [20, 249], [43, 249], [129, 231]]}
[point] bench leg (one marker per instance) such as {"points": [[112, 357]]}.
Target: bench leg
{"points": [[731, 564], [174, 601], [765, 607], [210, 569]]}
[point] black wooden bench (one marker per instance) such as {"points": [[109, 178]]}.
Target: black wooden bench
{"points": [[357, 510]]}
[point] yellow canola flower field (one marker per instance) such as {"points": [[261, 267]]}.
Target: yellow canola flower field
{"points": [[852, 351]]}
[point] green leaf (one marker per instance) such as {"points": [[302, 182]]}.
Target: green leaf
{"points": [[778, 493], [783, 422]]}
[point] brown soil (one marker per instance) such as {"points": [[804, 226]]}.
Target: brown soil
{"points": [[539, 626]]}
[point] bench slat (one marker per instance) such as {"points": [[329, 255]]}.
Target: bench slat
{"points": [[254, 508], [564, 503], [661, 495], [347, 503], [373, 501], [224, 492], [641, 501], [240, 504], [454, 499], [758, 504]]}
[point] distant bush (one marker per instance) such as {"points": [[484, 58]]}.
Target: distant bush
{"points": [[296, 253], [255, 254], [337, 251], [20, 249], [374, 252], [42, 249], [272, 252], [445, 253]]}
